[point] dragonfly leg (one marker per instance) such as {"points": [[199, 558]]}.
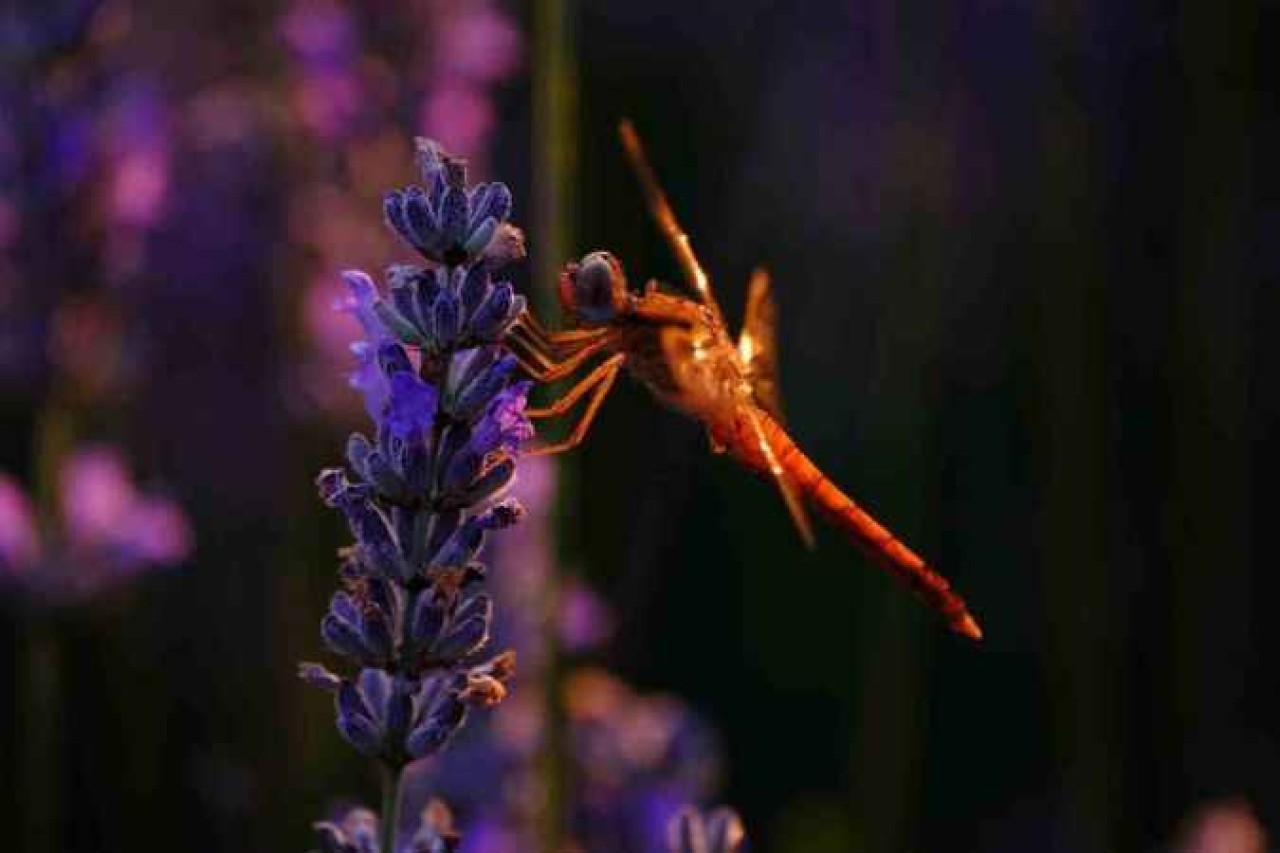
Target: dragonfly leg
{"points": [[597, 382], [543, 367], [534, 358], [567, 400], [528, 325]]}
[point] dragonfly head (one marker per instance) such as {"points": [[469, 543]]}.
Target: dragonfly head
{"points": [[594, 290]]}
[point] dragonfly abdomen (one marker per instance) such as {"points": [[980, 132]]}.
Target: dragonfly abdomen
{"points": [[873, 538]]}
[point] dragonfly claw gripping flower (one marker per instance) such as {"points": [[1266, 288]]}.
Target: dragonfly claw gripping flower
{"points": [[422, 493]]}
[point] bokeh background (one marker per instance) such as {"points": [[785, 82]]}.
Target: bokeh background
{"points": [[1025, 259]]}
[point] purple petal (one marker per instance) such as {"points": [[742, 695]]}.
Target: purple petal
{"points": [[345, 639], [466, 639], [475, 289], [369, 379], [496, 313], [453, 216], [426, 618], [424, 228], [412, 407], [490, 201], [361, 733], [318, 676], [393, 209], [361, 302], [376, 686], [352, 703], [344, 607]]}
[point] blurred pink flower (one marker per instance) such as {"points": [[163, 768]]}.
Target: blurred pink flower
{"points": [[457, 115], [1226, 826], [329, 101], [585, 620], [134, 137], [139, 187], [327, 320], [96, 494], [480, 44], [19, 539], [319, 31], [102, 511]]}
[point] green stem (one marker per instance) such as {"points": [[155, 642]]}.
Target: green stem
{"points": [[41, 747], [555, 158], [389, 821], [42, 750]]}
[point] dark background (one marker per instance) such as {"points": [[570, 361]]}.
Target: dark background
{"points": [[1025, 259]]}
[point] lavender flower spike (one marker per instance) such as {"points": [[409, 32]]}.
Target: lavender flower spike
{"points": [[420, 492]]}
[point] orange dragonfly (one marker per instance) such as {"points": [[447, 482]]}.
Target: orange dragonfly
{"points": [[681, 350]]}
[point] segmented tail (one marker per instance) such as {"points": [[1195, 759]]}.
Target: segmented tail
{"points": [[871, 536]]}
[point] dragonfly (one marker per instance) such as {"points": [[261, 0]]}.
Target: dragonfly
{"points": [[680, 348]]}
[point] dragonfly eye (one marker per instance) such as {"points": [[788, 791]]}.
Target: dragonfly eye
{"points": [[597, 288]]}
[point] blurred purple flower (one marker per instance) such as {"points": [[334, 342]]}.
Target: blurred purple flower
{"points": [[475, 47], [103, 512], [718, 831], [1225, 826], [479, 43], [585, 620], [319, 32], [19, 538], [356, 830], [635, 761], [329, 93], [459, 115], [109, 532], [135, 137]]}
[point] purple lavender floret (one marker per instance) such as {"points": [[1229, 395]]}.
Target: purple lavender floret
{"points": [[449, 223], [420, 494], [717, 831], [442, 308], [356, 830]]}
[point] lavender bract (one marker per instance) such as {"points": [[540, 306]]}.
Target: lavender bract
{"points": [[421, 495]]}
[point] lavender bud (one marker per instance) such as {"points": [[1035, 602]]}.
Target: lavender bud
{"points": [[490, 201], [318, 676], [497, 313], [495, 479], [422, 625], [480, 237], [346, 639], [469, 633], [475, 289], [447, 319]]}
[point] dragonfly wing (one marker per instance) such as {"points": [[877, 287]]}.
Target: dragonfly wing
{"points": [[758, 344], [666, 220], [790, 494]]}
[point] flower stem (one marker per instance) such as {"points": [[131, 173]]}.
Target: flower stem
{"points": [[555, 155], [392, 777], [42, 745]]}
